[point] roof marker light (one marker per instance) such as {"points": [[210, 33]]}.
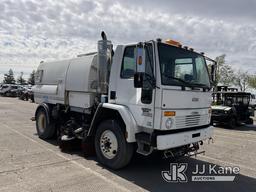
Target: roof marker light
{"points": [[172, 42]]}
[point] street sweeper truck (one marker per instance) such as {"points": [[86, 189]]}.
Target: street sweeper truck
{"points": [[142, 97]]}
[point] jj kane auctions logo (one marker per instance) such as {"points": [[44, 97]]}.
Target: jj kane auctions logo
{"points": [[205, 172]]}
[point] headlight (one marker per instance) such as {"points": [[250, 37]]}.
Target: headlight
{"points": [[168, 123]]}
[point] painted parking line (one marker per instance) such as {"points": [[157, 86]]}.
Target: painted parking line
{"points": [[70, 160], [232, 137], [5, 103], [240, 133], [228, 163]]}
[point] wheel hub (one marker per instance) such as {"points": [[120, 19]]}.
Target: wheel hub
{"points": [[41, 122], [108, 144]]}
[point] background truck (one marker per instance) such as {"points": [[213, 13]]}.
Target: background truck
{"points": [[146, 96], [231, 107]]}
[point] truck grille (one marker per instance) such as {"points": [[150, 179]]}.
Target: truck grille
{"points": [[191, 121]]}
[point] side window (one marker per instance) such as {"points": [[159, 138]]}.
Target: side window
{"points": [[129, 67], [129, 63], [38, 76], [149, 61], [201, 70]]}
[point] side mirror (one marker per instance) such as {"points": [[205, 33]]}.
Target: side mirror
{"points": [[213, 72], [140, 66], [140, 58], [138, 80]]}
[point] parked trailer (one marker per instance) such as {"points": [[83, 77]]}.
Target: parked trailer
{"points": [[146, 96]]}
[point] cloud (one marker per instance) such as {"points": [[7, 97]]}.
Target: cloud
{"points": [[31, 31], [231, 10]]}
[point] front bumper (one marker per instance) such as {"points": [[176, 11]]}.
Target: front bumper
{"points": [[223, 118], [169, 141]]}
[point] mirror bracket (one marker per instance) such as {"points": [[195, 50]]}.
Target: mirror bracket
{"points": [[138, 80]]}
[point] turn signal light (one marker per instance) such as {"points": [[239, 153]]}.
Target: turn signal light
{"points": [[169, 113], [139, 60]]}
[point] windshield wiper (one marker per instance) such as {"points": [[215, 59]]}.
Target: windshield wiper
{"points": [[180, 80], [187, 84]]}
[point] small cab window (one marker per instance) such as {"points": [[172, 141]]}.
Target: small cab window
{"points": [[39, 76], [129, 63]]}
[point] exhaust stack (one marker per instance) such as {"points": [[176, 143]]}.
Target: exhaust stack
{"points": [[104, 62]]}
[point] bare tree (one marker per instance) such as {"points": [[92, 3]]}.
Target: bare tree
{"points": [[21, 80], [242, 80], [252, 81], [31, 79], [225, 73]]}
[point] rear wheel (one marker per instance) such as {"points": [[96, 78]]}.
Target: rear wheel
{"points": [[232, 123], [45, 129], [7, 94], [111, 147]]}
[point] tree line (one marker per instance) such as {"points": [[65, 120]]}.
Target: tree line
{"points": [[227, 76], [9, 78]]}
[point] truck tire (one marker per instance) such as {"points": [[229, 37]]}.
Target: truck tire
{"points": [[249, 121], [111, 147], [232, 123], [45, 130]]}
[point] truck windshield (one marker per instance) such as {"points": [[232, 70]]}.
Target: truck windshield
{"points": [[182, 67]]}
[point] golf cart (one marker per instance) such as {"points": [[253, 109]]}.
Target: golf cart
{"points": [[231, 107]]}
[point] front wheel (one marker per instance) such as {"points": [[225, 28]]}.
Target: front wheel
{"points": [[111, 147]]}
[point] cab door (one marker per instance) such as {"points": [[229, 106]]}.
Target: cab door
{"points": [[140, 101]]}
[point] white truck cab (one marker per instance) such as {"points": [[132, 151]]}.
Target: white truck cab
{"points": [[147, 96]]}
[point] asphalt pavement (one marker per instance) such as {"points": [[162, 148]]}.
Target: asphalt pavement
{"points": [[28, 163]]}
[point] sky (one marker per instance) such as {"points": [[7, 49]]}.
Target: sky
{"points": [[32, 31]]}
